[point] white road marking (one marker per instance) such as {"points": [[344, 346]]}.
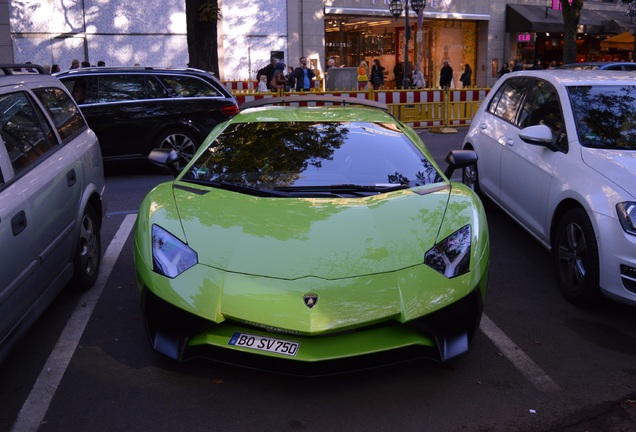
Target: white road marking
{"points": [[519, 359], [37, 404]]}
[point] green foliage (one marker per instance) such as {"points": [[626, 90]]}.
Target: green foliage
{"points": [[209, 11]]}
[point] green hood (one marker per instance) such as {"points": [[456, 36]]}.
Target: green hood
{"points": [[291, 238]]}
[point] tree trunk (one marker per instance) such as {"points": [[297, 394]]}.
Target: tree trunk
{"points": [[571, 16], [201, 19]]}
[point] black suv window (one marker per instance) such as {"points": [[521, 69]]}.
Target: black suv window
{"points": [[62, 110], [188, 86], [114, 88], [24, 131], [505, 102]]}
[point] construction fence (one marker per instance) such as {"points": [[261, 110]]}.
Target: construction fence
{"points": [[425, 108]]}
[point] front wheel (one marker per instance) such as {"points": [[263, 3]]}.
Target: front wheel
{"points": [[575, 254], [470, 177], [181, 141], [87, 258]]}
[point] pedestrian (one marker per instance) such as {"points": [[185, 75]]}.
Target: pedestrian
{"points": [[101, 63], [55, 68], [418, 78], [278, 79], [465, 77], [516, 65], [268, 71], [85, 64], [75, 63], [446, 75], [262, 84], [303, 76], [537, 65], [398, 73], [363, 77], [505, 68], [377, 74]]}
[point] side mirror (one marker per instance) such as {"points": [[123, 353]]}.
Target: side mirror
{"points": [[165, 158], [457, 159], [540, 135]]}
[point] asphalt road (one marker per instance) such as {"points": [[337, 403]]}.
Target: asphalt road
{"points": [[538, 363]]}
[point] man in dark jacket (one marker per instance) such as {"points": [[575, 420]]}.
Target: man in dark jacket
{"points": [[303, 76], [268, 70], [446, 75]]}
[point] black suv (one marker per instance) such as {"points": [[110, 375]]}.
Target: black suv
{"points": [[136, 109]]}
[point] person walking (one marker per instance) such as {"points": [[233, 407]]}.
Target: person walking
{"points": [[363, 77], [303, 76], [446, 75], [377, 74], [466, 76], [278, 79]]}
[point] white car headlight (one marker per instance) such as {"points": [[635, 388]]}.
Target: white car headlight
{"points": [[451, 257], [170, 256], [627, 215]]}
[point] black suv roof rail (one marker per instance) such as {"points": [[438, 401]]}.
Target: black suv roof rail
{"points": [[22, 68], [135, 69], [334, 100]]}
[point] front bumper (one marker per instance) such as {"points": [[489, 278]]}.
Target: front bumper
{"points": [[439, 336]]}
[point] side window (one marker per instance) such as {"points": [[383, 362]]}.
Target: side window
{"points": [[25, 133], [64, 113], [155, 89], [507, 99], [189, 86], [115, 88], [542, 106]]}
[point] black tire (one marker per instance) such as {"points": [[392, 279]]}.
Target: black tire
{"points": [[575, 254], [470, 177], [181, 141], [88, 256]]}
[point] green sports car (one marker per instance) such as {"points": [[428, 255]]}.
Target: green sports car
{"points": [[312, 240]]}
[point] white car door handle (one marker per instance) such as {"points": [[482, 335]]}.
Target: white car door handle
{"points": [[507, 141]]}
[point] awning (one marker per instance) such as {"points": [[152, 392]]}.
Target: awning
{"points": [[384, 12], [623, 41], [535, 19]]}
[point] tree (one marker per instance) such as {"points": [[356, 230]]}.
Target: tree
{"points": [[571, 11], [201, 19]]}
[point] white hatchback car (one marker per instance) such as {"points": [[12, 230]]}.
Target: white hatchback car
{"points": [[51, 205], [557, 152]]}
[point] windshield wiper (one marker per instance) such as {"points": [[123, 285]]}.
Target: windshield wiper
{"points": [[236, 187], [344, 188]]}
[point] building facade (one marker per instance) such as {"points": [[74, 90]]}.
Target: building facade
{"points": [[482, 34]]}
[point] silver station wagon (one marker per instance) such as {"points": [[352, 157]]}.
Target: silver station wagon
{"points": [[51, 198]]}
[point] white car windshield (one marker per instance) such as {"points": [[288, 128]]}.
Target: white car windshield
{"points": [[605, 115]]}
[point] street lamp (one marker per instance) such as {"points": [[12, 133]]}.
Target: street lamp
{"points": [[396, 7]]}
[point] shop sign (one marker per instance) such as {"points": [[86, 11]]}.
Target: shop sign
{"points": [[524, 37]]}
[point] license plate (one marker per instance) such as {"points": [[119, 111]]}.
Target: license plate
{"points": [[261, 343]]}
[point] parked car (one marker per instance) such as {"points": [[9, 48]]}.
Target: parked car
{"points": [[51, 198], [135, 109], [557, 152], [312, 240], [625, 66]]}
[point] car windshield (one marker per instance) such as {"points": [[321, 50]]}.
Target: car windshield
{"points": [[293, 156], [605, 115]]}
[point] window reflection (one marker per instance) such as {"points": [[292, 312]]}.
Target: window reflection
{"points": [[290, 154]]}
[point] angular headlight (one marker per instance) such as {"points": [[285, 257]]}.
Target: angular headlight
{"points": [[627, 215], [451, 257], [170, 256]]}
